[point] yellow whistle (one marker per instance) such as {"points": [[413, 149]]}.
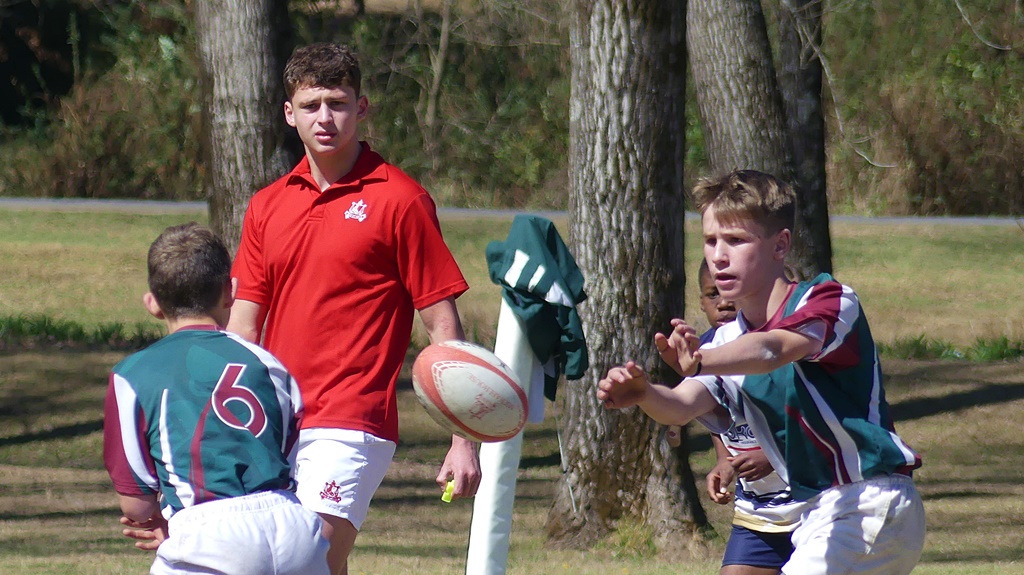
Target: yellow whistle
{"points": [[447, 495]]}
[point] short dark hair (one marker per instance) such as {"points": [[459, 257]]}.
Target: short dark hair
{"points": [[188, 269], [325, 65], [748, 194]]}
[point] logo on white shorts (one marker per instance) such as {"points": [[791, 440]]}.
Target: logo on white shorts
{"points": [[357, 211], [331, 492]]}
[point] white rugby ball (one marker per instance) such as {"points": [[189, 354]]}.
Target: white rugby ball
{"points": [[469, 391]]}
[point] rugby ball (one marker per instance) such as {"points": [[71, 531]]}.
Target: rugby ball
{"points": [[469, 391]]}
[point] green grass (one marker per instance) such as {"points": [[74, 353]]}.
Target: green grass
{"points": [[32, 331], [926, 297], [58, 514], [80, 272], [930, 290], [82, 267], [949, 283]]}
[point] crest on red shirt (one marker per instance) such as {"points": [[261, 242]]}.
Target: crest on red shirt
{"points": [[357, 211]]}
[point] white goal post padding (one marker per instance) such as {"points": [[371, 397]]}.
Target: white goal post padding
{"points": [[491, 527]]}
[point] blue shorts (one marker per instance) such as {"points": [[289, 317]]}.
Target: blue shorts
{"points": [[757, 549]]}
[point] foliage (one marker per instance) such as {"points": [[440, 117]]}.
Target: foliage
{"points": [[932, 95], [40, 44], [926, 116], [129, 127], [502, 132], [36, 331], [41, 331], [917, 347], [984, 349], [996, 349]]}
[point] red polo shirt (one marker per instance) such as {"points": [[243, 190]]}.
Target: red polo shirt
{"points": [[341, 273]]}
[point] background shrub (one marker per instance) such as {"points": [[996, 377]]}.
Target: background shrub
{"points": [[128, 127], [924, 103], [931, 102]]}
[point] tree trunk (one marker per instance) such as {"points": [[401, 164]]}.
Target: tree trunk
{"points": [[737, 94], [432, 133], [242, 47], [800, 77], [626, 206]]}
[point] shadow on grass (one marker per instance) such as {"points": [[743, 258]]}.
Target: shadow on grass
{"points": [[988, 394], [106, 512], [62, 432], [934, 495], [550, 460], [978, 555], [43, 547], [425, 551]]}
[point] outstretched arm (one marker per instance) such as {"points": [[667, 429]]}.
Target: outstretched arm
{"points": [[754, 353], [629, 385], [462, 463], [750, 353]]}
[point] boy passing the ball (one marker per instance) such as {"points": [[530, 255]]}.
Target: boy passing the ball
{"points": [[335, 259], [198, 429], [801, 369]]}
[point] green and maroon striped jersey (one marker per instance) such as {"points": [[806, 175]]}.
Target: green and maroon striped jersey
{"points": [[200, 415]]}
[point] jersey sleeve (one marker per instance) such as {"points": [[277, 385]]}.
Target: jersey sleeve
{"points": [[720, 419], [831, 312], [248, 265], [428, 268], [295, 421], [126, 452], [725, 389]]}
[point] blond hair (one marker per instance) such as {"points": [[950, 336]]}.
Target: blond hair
{"points": [[748, 194]]}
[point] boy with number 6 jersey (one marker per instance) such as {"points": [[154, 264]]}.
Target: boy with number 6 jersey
{"points": [[199, 426]]}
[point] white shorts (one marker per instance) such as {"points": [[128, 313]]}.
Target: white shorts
{"points": [[339, 470], [872, 527], [266, 533]]}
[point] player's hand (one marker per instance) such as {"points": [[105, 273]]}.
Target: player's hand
{"points": [[719, 480], [751, 465], [462, 464], [148, 534], [623, 386], [679, 349]]}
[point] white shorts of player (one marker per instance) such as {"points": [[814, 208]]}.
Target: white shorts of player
{"points": [[266, 533], [871, 527], [339, 470]]}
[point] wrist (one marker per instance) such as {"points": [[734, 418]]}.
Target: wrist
{"points": [[696, 372], [461, 442]]}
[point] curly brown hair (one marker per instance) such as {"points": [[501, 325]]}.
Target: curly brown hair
{"points": [[323, 65]]}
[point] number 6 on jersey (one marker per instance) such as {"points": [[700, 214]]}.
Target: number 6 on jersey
{"points": [[229, 388]]}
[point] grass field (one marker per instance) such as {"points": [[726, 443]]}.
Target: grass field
{"points": [[58, 514], [939, 281]]}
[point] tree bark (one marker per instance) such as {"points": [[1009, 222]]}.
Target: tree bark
{"points": [[242, 47], [800, 78], [432, 133], [626, 205], [737, 94]]}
